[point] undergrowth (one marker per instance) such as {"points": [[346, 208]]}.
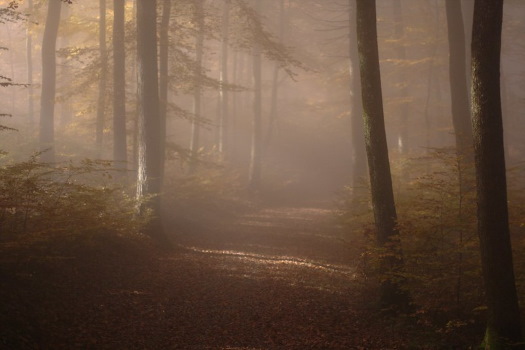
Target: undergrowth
{"points": [[442, 269]]}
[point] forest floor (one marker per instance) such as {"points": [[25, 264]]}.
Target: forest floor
{"points": [[267, 278]]}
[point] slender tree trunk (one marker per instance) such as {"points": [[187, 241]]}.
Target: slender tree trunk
{"points": [[503, 323], [47, 102], [164, 42], [149, 162], [223, 92], [233, 114], [467, 11], [459, 94], [29, 62], [358, 140], [197, 94], [119, 85], [275, 80], [399, 31], [65, 74], [101, 104], [256, 157], [383, 204]]}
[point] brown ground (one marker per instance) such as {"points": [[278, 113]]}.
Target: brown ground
{"points": [[274, 278]]}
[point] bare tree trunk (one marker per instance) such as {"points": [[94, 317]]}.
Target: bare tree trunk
{"points": [[197, 71], [358, 140], [399, 29], [392, 295], [101, 104], [256, 157], [119, 85], [47, 102], [149, 162], [65, 73], [164, 42], [459, 95], [275, 80], [29, 62], [503, 321], [223, 91]]}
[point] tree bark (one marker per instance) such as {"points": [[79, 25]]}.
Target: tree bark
{"points": [[195, 125], [164, 42], [119, 85], [459, 94], [101, 104], [399, 31], [149, 159], [503, 322], [358, 140], [256, 157], [391, 293], [47, 101], [29, 62], [223, 79]]}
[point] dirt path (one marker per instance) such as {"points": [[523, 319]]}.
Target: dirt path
{"points": [[274, 278]]}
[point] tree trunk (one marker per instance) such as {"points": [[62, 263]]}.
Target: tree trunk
{"points": [[101, 104], [275, 80], [29, 61], [399, 31], [149, 159], [119, 85], [223, 92], [164, 42], [467, 11], [195, 125], [391, 293], [503, 323], [255, 159], [459, 94], [358, 140], [47, 101]]}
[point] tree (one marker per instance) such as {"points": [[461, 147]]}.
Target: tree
{"points": [[399, 31], [29, 61], [256, 157], [358, 142], [459, 93], [503, 316], [223, 80], [391, 293], [47, 101], [149, 158], [119, 85], [197, 71], [101, 104], [164, 42]]}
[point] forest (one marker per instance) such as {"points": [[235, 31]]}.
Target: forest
{"points": [[262, 174]]}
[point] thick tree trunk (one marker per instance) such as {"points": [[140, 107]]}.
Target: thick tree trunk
{"points": [[195, 125], [149, 159], [101, 104], [503, 323], [119, 85], [256, 157], [358, 140], [164, 42], [47, 102], [223, 91], [459, 94], [377, 152]]}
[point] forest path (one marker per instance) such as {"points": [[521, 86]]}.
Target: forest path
{"points": [[271, 278]]}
